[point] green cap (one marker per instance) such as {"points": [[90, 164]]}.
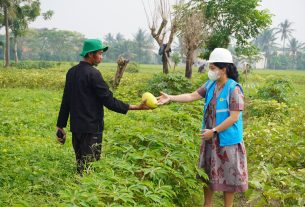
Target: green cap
{"points": [[91, 45]]}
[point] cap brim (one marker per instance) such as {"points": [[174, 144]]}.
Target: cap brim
{"points": [[83, 53], [105, 48]]}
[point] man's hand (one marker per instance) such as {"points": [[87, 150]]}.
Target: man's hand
{"points": [[61, 135], [142, 106]]}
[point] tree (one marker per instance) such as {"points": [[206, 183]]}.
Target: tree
{"points": [[143, 46], [296, 48], [16, 16], [109, 38], [8, 8], [51, 44], [193, 31], [119, 37], [122, 64], [285, 30], [266, 43], [238, 19], [159, 18], [248, 55], [25, 13], [139, 49], [176, 59], [123, 48], [301, 61]]}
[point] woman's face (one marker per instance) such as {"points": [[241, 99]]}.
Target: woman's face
{"points": [[213, 68], [220, 72]]}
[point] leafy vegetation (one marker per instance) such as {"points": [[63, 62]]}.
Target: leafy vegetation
{"points": [[149, 158], [132, 67], [276, 89], [171, 84], [35, 65]]}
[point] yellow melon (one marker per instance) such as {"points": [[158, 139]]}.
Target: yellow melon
{"points": [[151, 100]]}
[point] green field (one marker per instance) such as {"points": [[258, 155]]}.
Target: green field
{"points": [[149, 157]]}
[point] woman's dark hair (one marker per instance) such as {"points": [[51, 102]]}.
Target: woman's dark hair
{"points": [[231, 70]]}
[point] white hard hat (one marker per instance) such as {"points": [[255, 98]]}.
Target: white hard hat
{"points": [[220, 55]]}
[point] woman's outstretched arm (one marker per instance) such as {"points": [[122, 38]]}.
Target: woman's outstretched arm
{"points": [[182, 98]]}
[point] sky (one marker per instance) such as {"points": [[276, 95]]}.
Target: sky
{"points": [[96, 18]]}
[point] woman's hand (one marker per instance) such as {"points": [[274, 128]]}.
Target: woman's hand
{"points": [[163, 99], [207, 134]]}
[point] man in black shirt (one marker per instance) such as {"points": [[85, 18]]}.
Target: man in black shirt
{"points": [[84, 96]]}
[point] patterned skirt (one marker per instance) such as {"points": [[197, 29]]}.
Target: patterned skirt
{"points": [[226, 166]]}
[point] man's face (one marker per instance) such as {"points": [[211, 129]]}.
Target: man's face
{"points": [[97, 58]]}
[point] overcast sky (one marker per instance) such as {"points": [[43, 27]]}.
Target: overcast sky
{"points": [[95, 18]]}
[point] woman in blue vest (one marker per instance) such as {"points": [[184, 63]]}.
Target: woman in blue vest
{"points": [[222, 152]]}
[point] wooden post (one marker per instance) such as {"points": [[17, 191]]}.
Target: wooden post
{"points": [[122, 64]]}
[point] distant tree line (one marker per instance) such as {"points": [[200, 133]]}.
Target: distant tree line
{"points": [[48, 44], [200, 26], [139, 49], [289, 55], [61, 45], [21, 43]]}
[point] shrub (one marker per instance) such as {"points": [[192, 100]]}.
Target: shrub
{"points": [[171, 84], [203, 77], [266, 108], [132, 67], [277, 89], [34, 65]]}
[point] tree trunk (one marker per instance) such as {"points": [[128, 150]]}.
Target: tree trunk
{"points": [[284, 47], [122, 64], [189, 63], [7, 39], [3, 48], [15, 49], [165, 64]]}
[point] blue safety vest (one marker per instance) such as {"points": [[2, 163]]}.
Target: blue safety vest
{"points": [[233, 134]]}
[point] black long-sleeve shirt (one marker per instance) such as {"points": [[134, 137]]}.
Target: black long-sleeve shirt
{"points": [[84, 96]]}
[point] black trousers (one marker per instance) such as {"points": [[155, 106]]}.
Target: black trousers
{"points": [[87, 148]]}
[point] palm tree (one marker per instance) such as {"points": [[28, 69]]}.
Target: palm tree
{"points": [[143, 44], [285, 30], [119, 37], [109, 38], [266, 43], [296, 48]]}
